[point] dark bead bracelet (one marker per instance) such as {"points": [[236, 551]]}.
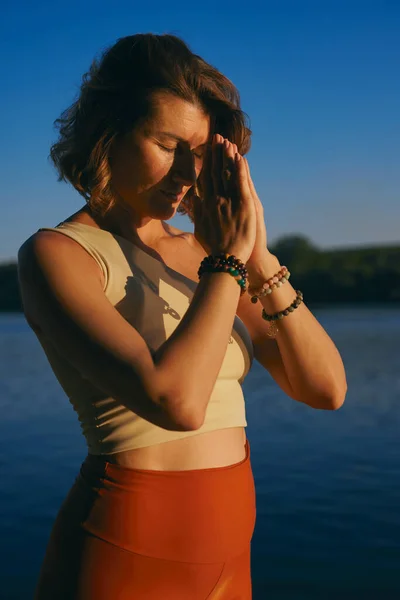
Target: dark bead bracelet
{"points": [[283, 313], [225, 263], [224, 259]]}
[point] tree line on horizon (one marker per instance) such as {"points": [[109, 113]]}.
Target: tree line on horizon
{"points": [[337, 276]]}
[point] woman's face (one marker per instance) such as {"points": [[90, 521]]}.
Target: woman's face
{"points": [[154, 166]]}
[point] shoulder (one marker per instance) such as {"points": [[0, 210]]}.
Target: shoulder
{"points": [[40, 246], [47, 251], [49, 264]]}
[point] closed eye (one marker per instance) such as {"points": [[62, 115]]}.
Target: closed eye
{"points": [[170, 150]]}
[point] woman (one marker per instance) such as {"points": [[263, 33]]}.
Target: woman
{"points": [[151, 340]]}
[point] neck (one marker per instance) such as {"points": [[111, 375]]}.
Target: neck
{"points": [[127, 224]]}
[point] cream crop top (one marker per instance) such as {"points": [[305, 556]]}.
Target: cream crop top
{"points": [[153, 298]]}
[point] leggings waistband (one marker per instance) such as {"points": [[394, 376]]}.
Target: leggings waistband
{"points": [[201, 515]]}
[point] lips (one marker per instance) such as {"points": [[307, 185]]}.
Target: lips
{"points": [[174, 196]]}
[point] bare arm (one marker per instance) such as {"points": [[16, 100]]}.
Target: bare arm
{"points": [[302, 359], [63, 298]]}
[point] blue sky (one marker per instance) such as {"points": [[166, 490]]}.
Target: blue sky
{"points": [[319, 81]]}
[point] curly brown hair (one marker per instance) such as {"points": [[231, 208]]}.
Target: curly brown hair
{"points": [[115, 96]]}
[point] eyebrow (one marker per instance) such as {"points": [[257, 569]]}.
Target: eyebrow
{"points": [[178, 138]]}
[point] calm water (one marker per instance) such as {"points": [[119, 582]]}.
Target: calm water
{"points": [[328, 483]]}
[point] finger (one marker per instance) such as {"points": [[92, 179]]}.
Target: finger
{"points": [[226, 171], [217, 166], [251, 186], [243, 189], [205, 177], [231, 153], [228, 167]]}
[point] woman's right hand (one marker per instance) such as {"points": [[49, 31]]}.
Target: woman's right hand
{"points": [[225, 218]]}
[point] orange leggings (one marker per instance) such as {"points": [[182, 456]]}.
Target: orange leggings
{"points": [[124, 534]]}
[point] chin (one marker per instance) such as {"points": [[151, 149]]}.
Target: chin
{"points": [[160, 207], [163, 213]]}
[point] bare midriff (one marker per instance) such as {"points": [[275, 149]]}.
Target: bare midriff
{"points": [[219, 448]]}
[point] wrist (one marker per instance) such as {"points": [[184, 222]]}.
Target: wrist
{"points": [[232, 251], [264, 270]]}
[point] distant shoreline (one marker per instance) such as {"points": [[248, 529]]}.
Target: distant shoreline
{"points": [[365, 276]]}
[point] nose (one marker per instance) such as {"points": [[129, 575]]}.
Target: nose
{"points": [[183, 169]]}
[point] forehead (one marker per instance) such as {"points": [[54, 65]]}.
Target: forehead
{"points": [[175, 115]]}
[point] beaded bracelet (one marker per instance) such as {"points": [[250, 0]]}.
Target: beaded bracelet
{"points": [[273, 330], [274, 282], [284, 313], [225, 263]]}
